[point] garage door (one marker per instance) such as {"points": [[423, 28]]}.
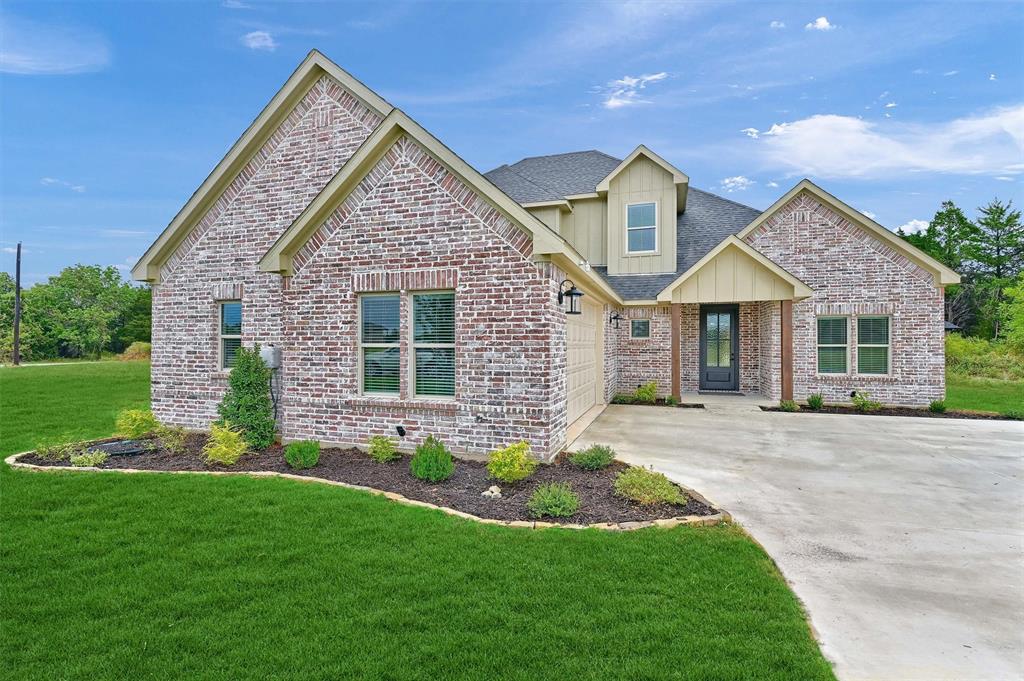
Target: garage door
{"points": [[583, 338]]}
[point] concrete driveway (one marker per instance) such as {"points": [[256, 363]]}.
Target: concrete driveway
{"points": [[902, 536]]}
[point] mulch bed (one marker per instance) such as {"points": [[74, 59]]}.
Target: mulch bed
{"points": [[660, 403], [598, 503], [900, 411]]}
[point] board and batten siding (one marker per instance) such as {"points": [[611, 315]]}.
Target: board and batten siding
{"points": [[732, 276], [642, 181], [586, 228]]}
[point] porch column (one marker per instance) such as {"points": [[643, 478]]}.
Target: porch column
{"points": [[787, 349], [676, 321]]}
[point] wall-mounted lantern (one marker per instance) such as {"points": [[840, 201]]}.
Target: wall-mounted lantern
{"points": [[614, 319], [569, 297]]}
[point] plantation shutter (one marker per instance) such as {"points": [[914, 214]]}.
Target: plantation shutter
{"points": [[434, 344]]}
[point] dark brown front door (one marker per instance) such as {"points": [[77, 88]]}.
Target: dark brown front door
{"points": [[719, 347]]}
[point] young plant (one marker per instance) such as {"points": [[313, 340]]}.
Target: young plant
{"points": [[246, 404], [432, 461], [135, 423], [646, 393], [382, 449], [554, 499], [671, 400], [623, 398], [172, 438], [304, 454], [57, 449], [225, 446], [862, 402], [88, 459], [789, 405], [647, 487], [593, 457], [815, 401], [937, 406], [512, 464]]}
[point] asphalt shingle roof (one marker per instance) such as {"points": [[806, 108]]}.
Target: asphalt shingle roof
{"points": [[708, 218]]}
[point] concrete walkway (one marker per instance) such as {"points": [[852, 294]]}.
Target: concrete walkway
{"points": [[902, 536]]}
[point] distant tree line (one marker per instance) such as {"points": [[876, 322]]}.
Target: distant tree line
{"points": [[84, 311], [988, 252]]}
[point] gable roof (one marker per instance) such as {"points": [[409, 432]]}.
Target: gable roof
{"points": [[313, 67], [551, 178], [943, 275]]}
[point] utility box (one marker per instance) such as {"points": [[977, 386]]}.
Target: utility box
{"points": [[271, 356]]}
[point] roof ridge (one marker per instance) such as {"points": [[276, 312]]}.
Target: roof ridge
{"points": [[567, 153], [735, 203]]}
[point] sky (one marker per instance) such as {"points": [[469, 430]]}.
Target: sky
{"points": [[112, 114]]}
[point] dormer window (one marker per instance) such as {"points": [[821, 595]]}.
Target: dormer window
{"points": [[642, 227]]}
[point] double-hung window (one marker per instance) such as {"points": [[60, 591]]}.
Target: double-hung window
{"points": [[380, 352], [833, 345], [433, 338], [642, 227], [872, 345], [230, 332]]}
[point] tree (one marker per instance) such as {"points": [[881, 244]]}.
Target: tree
{"points": [[946, 236], [996, 253], [1013, 313]]}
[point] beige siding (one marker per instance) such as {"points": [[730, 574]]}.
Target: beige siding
{"points": [[732, 276], [643, 181], [586, 228], [549, 215]]}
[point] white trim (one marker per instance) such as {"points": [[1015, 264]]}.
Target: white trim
{"points": [[221, 336], [817, 345], [633, 335], [413, 345], [657, 249], [360, 345], [887, 346]]}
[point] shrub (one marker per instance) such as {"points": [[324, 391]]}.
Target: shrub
{"points": [[646, 393], [137, 350], [554, 499], [432, 461], [623, 398], [593, 457], [647, 487], [246, 404], [815, 401], [172, 438], [304, 454], [382, 449], [788, 405], [225, 446], [88, 458], [937, 406], [512, 464], [134, 423], [57, 449], [671, 400], [983, 358], [1015, 414], [862, 402]]}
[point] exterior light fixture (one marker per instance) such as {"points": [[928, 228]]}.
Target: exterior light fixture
{"points": [[614, 319], [569, 297]]}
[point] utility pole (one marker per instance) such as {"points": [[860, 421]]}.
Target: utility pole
{"points": [[16, 350]]}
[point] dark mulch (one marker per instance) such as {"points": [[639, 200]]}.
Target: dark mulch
{"points": [[901, 411], [598, 504], [658, 403]]}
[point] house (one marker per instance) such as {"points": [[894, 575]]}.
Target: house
{"points": [[404, 288]]}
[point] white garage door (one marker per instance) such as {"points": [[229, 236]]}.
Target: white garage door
{"points": [[583, 339]]}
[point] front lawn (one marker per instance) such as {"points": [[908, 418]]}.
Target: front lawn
{"points": [[984, 394], [106, 575]]}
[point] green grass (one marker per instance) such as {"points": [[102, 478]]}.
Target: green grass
{"points": [[106, 575], [984, 394]]}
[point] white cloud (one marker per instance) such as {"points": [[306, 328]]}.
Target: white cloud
{"points": [[1004, 178], [891, 105], [737, 183], [820, 24], [869, 214], [771, 183], [777, 24], [914, 226], [54, 182], [751, 132], [842, 146], [123, 232], [259, 40], [919, 72], [950, 73], [626, 90], [992, 76], [32, 48], [235, 4]]}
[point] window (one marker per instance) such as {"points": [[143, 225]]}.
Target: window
{"points": [[641, 227], [380, 322], [640, 328], [433, 342], [833, 347], [230, 332], [872, 345]]}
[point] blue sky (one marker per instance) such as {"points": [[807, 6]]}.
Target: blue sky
{"points": [[111, 114]]}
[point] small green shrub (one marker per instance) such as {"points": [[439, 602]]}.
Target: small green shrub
{"points": [[788, 405], [647, 487], [646, 393], [815, 401], [623, 398], [862, 402], [382, 449], [246, 404], [135, 423], [1015, 414], [303, 454], [554, 500], [432, 461], [671, 400], [57, 449], [937, 406], [172, 438], [88, 458], [512, 464], [225, 446], [593, 457]]}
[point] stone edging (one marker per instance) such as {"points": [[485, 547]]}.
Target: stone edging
{"points": [[690, 520]]}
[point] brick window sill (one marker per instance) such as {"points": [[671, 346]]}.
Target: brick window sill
{"points": [[862, 378], [410, 404]]}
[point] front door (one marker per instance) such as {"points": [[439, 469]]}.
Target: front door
{"points": [[719, 347]]}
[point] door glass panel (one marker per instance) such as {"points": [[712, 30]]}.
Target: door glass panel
{"points": [[711, 342], [724, 339], [718, 340]]}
